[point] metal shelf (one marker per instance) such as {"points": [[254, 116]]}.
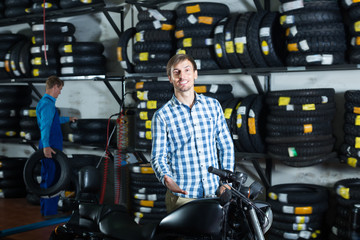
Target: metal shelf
{"points": [[37, 17]]}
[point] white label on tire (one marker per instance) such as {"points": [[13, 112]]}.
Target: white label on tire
{"points": [[142, 134], [198, 63], [209, 41], [305, 234], [264, 32], [219, 29], [145, 209], [123, 64], [192, 19], [251, 113], [214, 88], [67, 70], [2, 64], [293, 31], [1, 174], [240, 40], [157, 24], [304, 45], [242, 110], [324, 99], [290, 107], [290, 19], [235, 137], [313, 58], [64, 29], [67, 59], [288, 209], [283, 197], [348, 2], [157, 15], [290, 235], [289, 6], [327, 59], [142, 105]]}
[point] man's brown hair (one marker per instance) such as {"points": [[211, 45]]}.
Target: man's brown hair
{"points": [[177, 59], [52, 81]]}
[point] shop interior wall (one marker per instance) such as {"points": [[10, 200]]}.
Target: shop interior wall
{"points": [[91, 99]]}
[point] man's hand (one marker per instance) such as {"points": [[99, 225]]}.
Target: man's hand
{"points": [[73, 119], [48, 152], [223, 188], [172, 185]]}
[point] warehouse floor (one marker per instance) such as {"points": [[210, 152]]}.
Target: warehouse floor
{"points": [[17, 212]]}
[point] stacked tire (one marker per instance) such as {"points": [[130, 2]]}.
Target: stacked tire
{"points": [[38, 6], [45, 58], [11, 182], [195, 28], [8, 41], [10, 106], [247, 123], [64, 4], [352, 10], [82, 58], [344, 225], [29, 129], [299, 211], [299, 126], [315, 33], [15, 8], [349, 150], [147, 194], [154, 44], [150, 97], [93, 132], [153, 95]]}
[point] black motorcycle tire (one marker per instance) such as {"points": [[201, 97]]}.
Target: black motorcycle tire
{"points": [[64, 178]]}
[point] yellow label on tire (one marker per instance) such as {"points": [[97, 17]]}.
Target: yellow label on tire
{"points": [[143, 116], [206, 20], [357, 110], [187, 42], [283, 101], [252, 127], [144, 56], [308, 107], [308, 128], [119, 54], [147, 203], [152, 104], [229, 47], [228, 112], [357, 26], [193, 9], [239, 47], [179, 34], [68, 48], [200, 89], [352, 162], [303, 210]]}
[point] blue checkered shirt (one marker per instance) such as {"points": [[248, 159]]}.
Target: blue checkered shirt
{"points": [[185, 142]]}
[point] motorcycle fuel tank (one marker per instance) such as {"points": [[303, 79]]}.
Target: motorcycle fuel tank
{"points": [[202, 217]]}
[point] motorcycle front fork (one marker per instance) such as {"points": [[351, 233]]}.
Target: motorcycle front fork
{"points": [[259, 235]]}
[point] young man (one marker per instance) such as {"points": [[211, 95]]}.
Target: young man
{"points": [[189, 134], [49, 122]]}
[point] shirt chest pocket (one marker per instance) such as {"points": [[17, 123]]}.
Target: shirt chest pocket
{"points": [[180, 133]]}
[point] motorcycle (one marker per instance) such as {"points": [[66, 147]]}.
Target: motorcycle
{"points": [[234, 215]]}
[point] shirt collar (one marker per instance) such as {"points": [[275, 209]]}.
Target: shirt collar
{"points": [[50, 97], [176, 102]]}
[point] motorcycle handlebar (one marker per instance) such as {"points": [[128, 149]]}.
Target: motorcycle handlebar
{"points": [[223, 174]]}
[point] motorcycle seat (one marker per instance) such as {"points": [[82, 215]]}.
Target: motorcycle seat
{"points": [[121, 225]]}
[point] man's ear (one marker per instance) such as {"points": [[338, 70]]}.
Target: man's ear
{"points": [[195, 74], [170, 80]]}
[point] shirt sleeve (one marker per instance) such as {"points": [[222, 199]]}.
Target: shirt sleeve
{"points": [[225, 143], [46, 119], [64, 120], [159, 149]]}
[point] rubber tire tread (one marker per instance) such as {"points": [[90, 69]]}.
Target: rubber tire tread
{"points": [[275, 54], [62, 182], [122, 49], [254, 46], [208, 8], [219, 45], [243, 132]]}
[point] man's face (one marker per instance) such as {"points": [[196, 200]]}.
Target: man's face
{"points": [[183, 76], [57, 91]]}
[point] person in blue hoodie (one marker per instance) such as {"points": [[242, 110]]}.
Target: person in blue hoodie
{"points": [[49, 122]]}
